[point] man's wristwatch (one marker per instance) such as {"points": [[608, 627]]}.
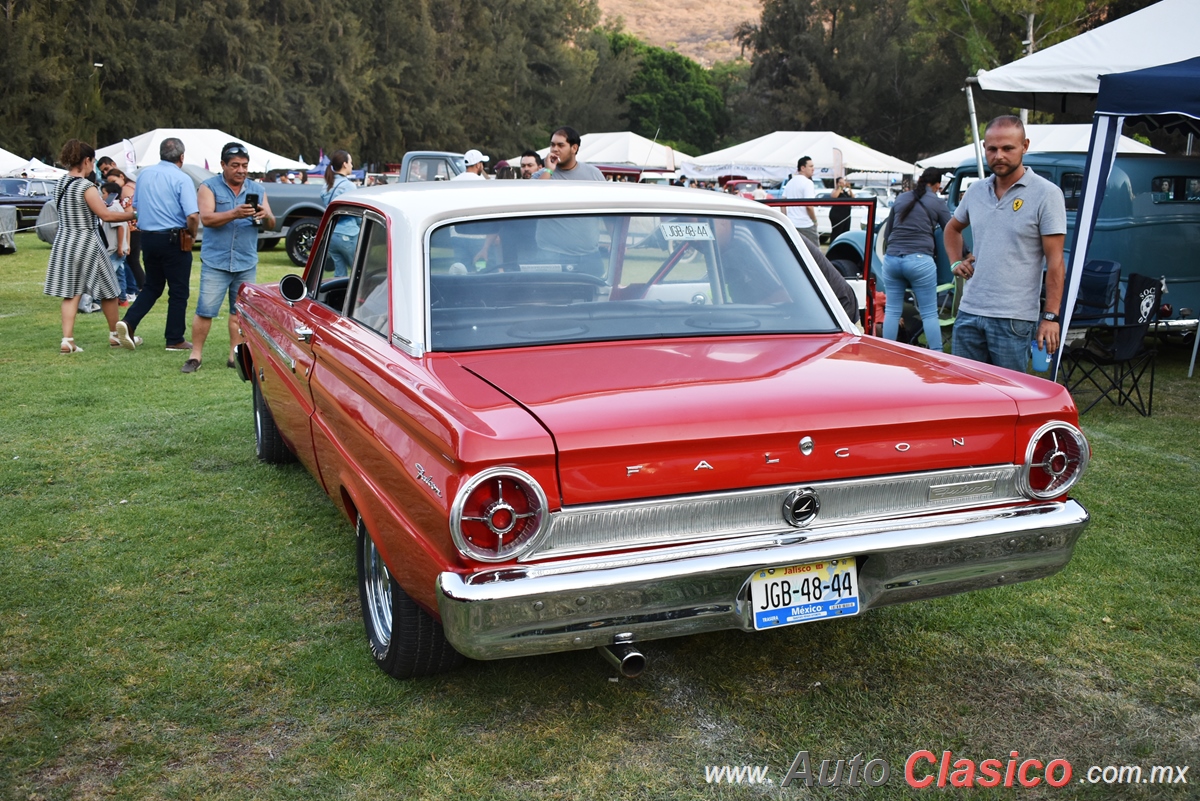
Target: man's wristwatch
{"points": [[1051, 317]]}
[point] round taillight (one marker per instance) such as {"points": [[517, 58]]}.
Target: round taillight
{"points": [[498, 515], [1054, 461]]}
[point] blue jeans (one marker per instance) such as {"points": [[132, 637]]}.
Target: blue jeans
{"points": [[215, 285], [919, 271], [169, 268], [1001, 341], [124, 275]]}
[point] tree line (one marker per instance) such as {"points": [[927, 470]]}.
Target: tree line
{"points": [[379, 77]]}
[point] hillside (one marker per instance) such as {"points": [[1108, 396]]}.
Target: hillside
{"points": [[700, 29]]}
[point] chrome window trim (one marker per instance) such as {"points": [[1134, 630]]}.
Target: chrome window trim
{"points": [[764, 214], [757, 512], [413, 349]]}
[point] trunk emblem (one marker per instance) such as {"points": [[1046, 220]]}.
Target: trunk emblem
{"points": [[629, 471], [703, 466], [801, 507], [806, 445]]}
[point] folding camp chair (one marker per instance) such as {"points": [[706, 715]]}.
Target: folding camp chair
{"points": [[1099, 295], [1113, 359]]}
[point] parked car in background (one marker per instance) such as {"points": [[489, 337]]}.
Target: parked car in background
{"points": [[641, 413], [420, 166], [298, 207], [747, 188], [28, 195], [858, 215]]}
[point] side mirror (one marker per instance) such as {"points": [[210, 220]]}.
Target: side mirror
{"points": [[293, 288]]}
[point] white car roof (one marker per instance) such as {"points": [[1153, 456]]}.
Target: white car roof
{"points": [[427, 203]]}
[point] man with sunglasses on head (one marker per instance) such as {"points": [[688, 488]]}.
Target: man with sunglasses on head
{"points": [[232, 208]]}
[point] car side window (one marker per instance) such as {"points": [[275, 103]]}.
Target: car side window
{"points": [[428, 169], [336, 256], [371, 285], [1175, 188], [1072, 188]]}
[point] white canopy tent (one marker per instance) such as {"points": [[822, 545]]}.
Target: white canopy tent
{"points": [[202, 147], [1042, 139], [10, 162], [774, 157], [623, 148], [38, 169], [1066, 76], [626, 147]]}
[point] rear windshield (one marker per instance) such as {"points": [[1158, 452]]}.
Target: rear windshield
{"points": [[544, 280]]}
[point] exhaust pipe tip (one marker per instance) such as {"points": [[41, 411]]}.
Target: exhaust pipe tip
{"points": [[628, 660]]}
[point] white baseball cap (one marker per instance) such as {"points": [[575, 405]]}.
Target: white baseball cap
{"points": [[473, 157]]}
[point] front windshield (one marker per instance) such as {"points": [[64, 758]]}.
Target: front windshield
{"points": [[13, 186], [575, 278]]}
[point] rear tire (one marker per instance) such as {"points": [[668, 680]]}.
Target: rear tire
{"points": [[268, 444], [847, 268], [405, 640], [300, 237]]}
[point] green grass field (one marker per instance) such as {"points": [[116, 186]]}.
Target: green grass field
{"points": [[178, 620]]}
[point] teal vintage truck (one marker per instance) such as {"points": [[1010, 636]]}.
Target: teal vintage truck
{"points": [[1149, 221]]}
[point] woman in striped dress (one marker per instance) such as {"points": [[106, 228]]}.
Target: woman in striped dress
{"points": [[78, 260]]}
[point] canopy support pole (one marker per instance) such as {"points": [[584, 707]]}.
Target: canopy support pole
{"points": [[974, 128]]}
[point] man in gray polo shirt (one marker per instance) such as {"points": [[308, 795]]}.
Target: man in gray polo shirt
{"points": [[1019, 221], [573, 242]]}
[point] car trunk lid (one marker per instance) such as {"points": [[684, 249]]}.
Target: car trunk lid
{"points": [[679, 417]]}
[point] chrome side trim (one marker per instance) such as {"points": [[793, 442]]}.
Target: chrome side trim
{"points": [[271, 343], [607, 527], [414, 349], [514, 611]]}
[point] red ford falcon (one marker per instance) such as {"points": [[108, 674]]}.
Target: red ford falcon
{"points": [[566, 416]]}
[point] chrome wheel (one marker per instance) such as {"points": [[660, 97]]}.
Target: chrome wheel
{"points": [[405, 640], [378, 587]]}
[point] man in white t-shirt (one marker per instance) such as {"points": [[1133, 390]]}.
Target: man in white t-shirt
{"points": [[475, 161], [801, 187]]}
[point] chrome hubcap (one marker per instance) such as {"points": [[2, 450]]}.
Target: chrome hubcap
{"points": [[379, 594]]}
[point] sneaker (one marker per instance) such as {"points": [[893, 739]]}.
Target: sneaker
{"points": [[122, 303], [190, 366], [124, 339], [178, 346]]}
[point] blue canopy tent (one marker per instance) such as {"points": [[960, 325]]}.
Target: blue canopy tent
{"points": [[1166, 96]]}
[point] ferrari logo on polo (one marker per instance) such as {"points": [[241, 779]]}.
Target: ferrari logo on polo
{"points": [[1017, 204]]}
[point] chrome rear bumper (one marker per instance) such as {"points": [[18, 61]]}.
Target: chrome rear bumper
{"points": [[584, 603]]}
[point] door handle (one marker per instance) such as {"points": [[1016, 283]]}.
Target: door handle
{"points": [[303, 333]]}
